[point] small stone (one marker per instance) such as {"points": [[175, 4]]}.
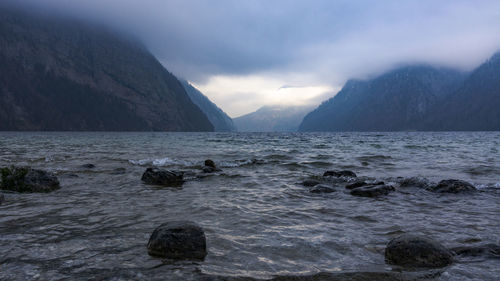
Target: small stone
{"points": [[179, 240], [452, 186], [415, 182], [322, 188], [88, 166], [310, 182], [162, 177], [372, 190], [415, 251], [210, 163], [339, 174]]}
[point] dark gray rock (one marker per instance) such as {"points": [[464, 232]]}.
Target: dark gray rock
{"points": [[452, 186], [210, 167], [26, 179], [322, 188], [210, 163], [339, 174], [362, 183], [88, 166], [162, 177], [488, 250], [372, 190], [415, 182], [178, 240], [416, 251], [2, 198], [310, 182]]}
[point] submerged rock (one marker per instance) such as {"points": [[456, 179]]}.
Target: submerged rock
{"points": [[26, 179], [489, 250], [88, 166], [339, 174], [452, 186], [178, 240], [162, 177], [310, 182], [2, 198], [415, 251], [415, 182], [362, 183], [322, 188], [210, 163], [372, 190]]}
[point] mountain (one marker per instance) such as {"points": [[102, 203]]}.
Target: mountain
{"points": [[59, 74], [219, 119], [476, 105], [272, 119], [398, 100]]}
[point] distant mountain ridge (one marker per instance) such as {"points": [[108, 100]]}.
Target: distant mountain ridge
{"points": [[219, 119], [272, 119], [58, 74], [414, 98]]}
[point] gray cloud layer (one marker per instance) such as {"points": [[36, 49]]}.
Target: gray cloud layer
{"points": [[329, 41]]}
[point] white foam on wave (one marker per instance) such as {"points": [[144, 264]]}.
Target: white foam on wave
{"points": [[159, 162]]}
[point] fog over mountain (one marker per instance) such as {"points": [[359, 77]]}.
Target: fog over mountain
{"points": [[272, 119], [308, 44], [59, 74], [414, 98]]}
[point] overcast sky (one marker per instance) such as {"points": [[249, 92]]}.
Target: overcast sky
{"points": [[247, 53]]}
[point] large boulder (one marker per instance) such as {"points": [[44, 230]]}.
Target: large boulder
{"points": [[178, 240], [339, 174], [416, 251], [452, 186], [321, 188], [162, 177], [372, 190], [26, 179]]}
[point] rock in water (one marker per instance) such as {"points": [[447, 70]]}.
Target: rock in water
{"points": [[362, 183], [210, 167], [2, 198], [322, 188], [415, 182], [372, 190], [88, 166], [310, 182], [489, 250], [26, 179], [452, 186], [210, 163], [178, 240], [339, 174], [162, 177], [415, 251]]}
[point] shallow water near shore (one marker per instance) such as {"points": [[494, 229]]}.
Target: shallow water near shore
{"points": [[259, 220]]}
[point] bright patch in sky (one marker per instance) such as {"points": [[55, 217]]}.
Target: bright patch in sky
{"points": [[238, 95]]}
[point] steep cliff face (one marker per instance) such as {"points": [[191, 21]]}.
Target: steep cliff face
{"points": [[219, 119], [475, 106], [57, 74], [398, 100]]}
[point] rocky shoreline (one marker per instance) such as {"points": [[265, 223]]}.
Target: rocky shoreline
{"points": [[185, 240]]}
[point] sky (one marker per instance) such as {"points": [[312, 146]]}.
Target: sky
{"points": [[244, 54]]}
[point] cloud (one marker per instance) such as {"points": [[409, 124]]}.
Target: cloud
{"points": [[310, 43]]}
